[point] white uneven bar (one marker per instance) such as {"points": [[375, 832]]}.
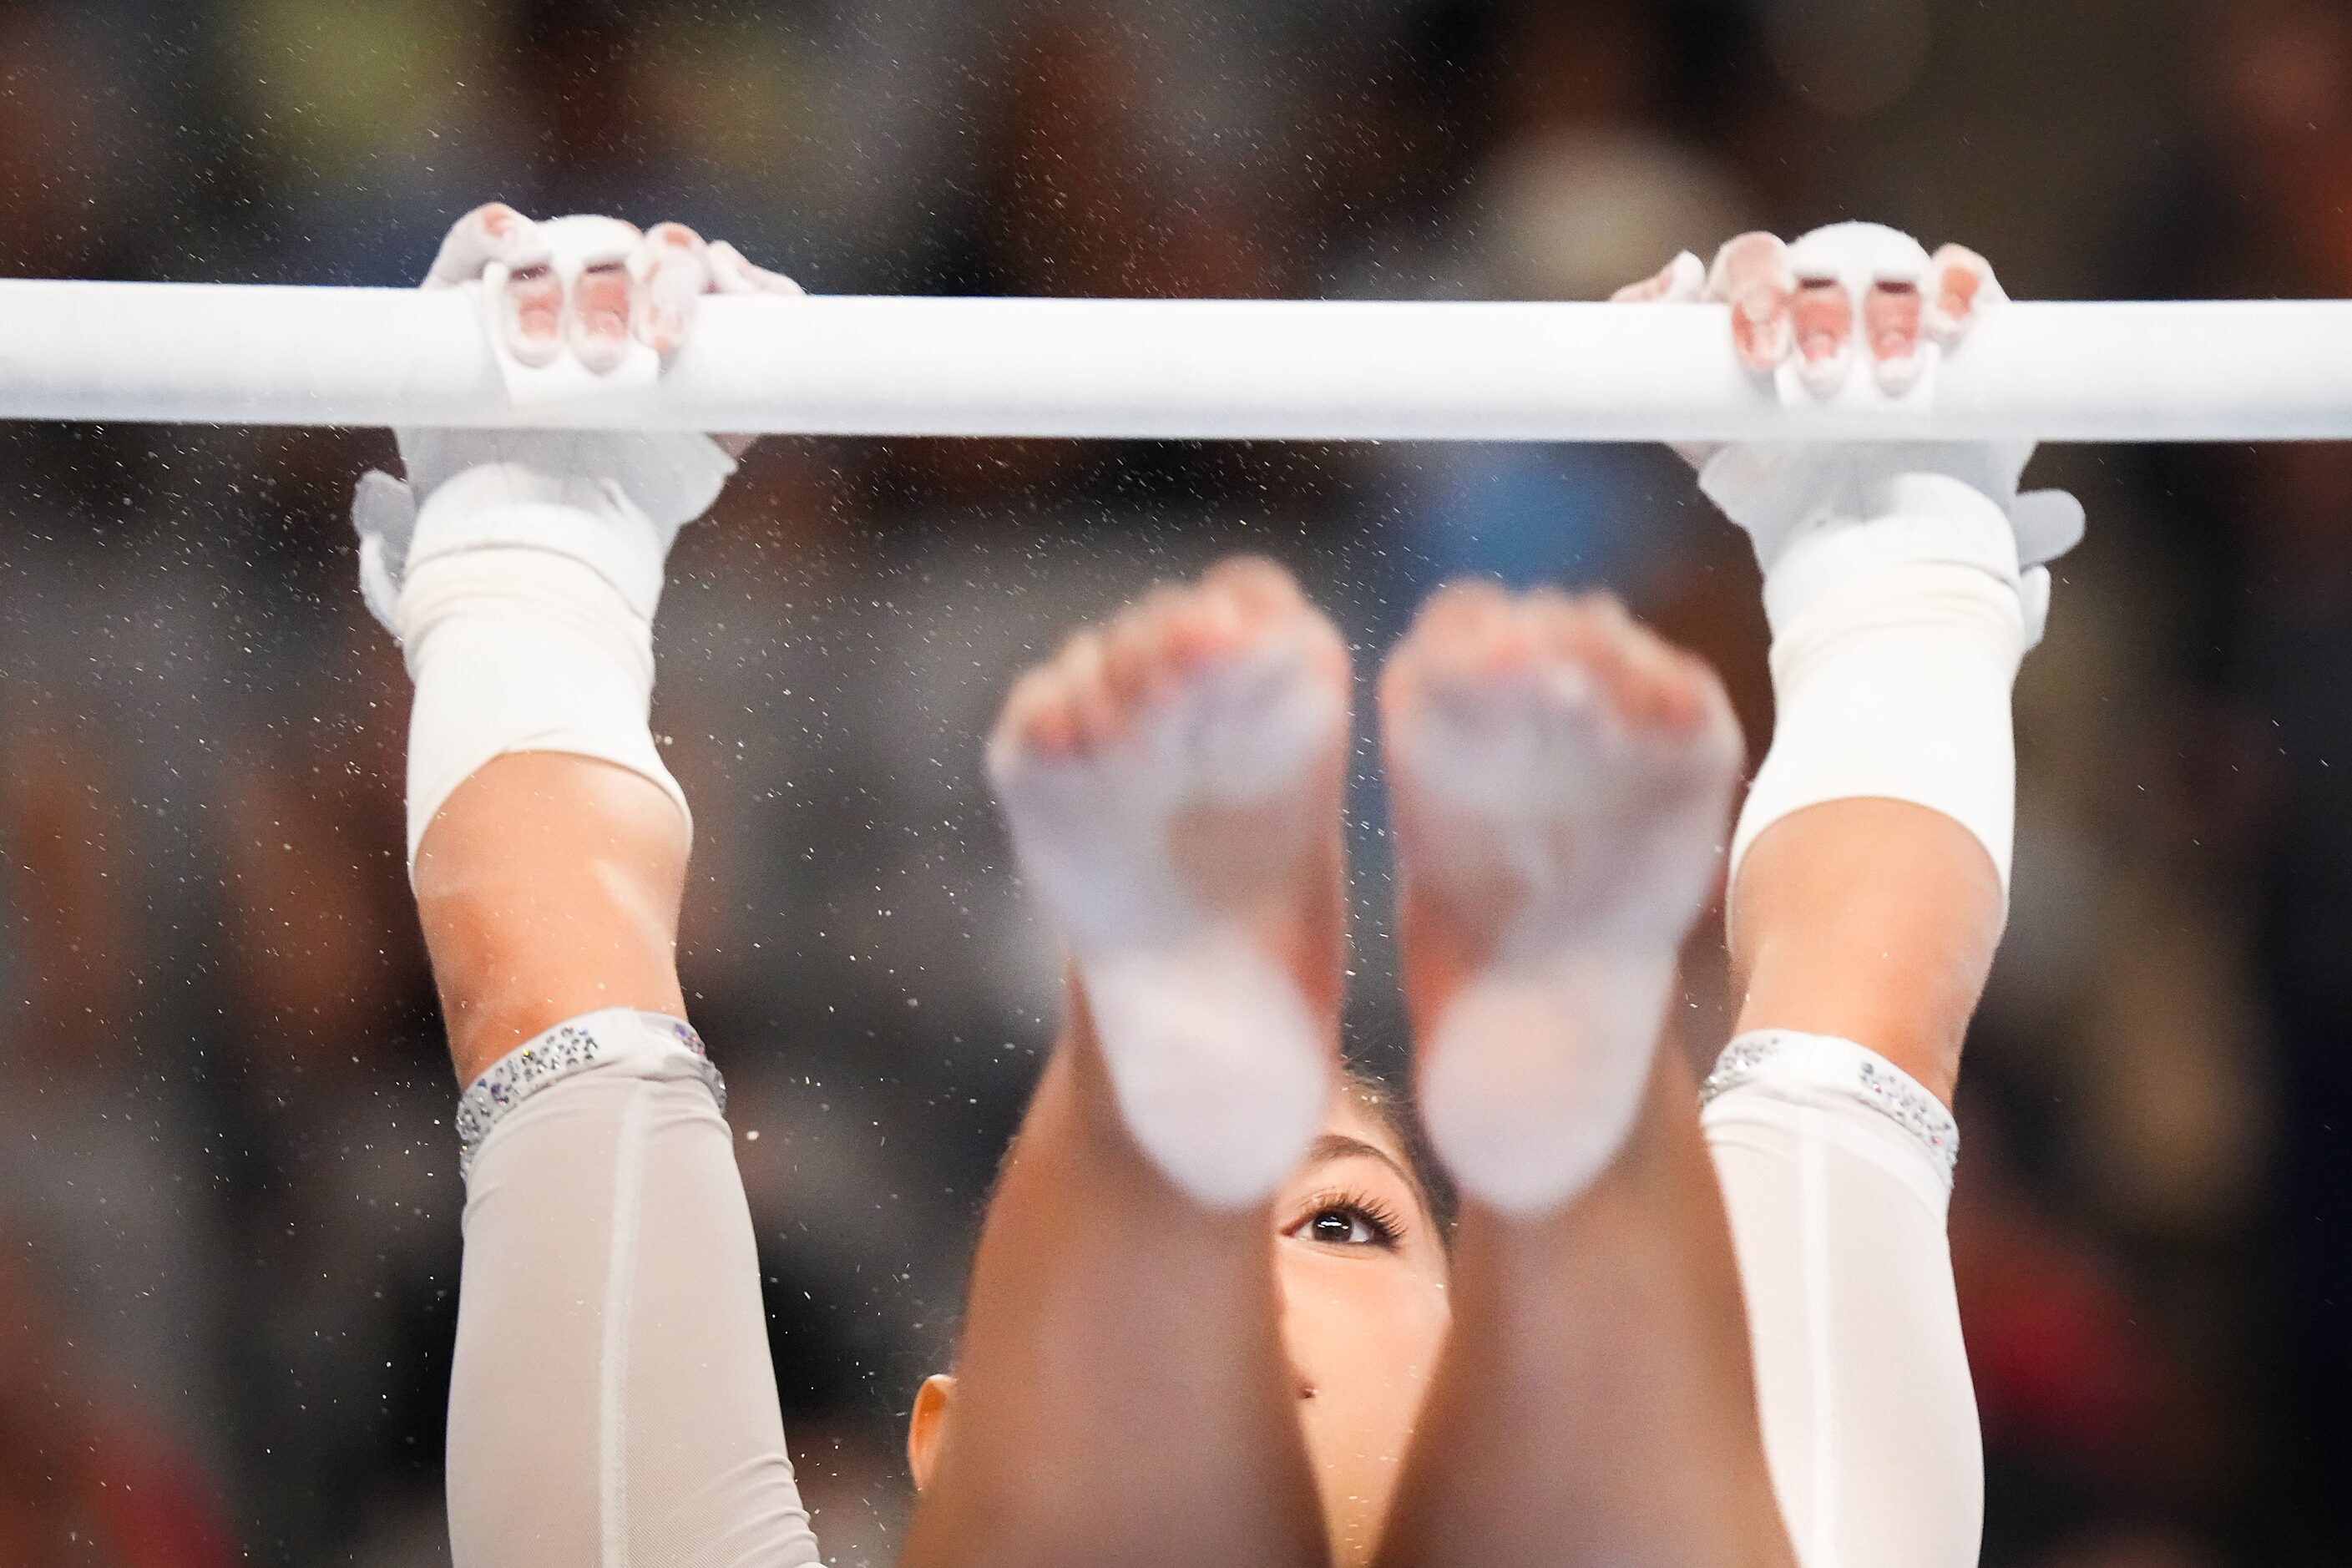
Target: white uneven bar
{"points": [[1273, 369]]}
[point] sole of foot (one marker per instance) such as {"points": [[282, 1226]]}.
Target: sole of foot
{"points": [[1562, 781], [1173, 780]]}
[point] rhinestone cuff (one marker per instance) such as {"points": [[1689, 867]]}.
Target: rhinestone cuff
{"points": [[1843, 1067], [564, 1050]]}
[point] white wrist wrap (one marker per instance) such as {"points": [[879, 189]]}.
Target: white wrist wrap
{"points": [[525, 613], [1894, 644]]}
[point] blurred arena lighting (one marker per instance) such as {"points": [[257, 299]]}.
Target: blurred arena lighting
{"points": [[1848, 58]]}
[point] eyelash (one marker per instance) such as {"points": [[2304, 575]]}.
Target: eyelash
{"points": [[1385, 1223]]}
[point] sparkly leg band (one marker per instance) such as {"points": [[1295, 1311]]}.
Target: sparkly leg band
{"points": [[1823, 1064], [653, 1043]]}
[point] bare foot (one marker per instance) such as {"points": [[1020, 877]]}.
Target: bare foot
{"points": [[1562, 781], [1172, 784]]}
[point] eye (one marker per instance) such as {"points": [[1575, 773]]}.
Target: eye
{"points": [[1345, 1222], [1341, 1227]]}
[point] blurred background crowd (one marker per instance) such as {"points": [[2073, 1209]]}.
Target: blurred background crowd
{"points": [[228, 1189]]}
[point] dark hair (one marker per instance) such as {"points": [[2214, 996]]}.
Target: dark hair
{"points": [[1388, 1106]]}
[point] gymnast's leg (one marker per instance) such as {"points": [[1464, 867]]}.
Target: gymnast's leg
{"points": [[1562, 781], [1122, 1394], [611, 1401]]}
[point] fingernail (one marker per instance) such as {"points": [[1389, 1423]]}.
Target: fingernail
{"points": [[1825, 375], [1899, 375]]}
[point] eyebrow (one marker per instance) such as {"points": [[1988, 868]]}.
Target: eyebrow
{"points": [[1339, 1146]]}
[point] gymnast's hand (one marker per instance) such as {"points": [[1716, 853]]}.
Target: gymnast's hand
{"points": [[591, 286], [594, 289], [1839, 295], [1802, 303]]}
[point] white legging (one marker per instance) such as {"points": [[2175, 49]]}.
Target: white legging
{"points": [[613, 1404], [1836, 1169]]}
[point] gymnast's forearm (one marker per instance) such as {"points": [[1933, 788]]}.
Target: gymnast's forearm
{"points": [[611, 1398], [548, 840], [1868, 888], [1870, 867], [548, 887]]}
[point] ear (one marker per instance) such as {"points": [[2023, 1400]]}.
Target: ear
{"points": [[925, 1426]]}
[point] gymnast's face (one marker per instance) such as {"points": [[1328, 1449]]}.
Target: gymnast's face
{"points": [[1362, 1268], [1362, 1271]]}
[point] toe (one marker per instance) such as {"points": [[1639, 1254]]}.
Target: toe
{"points": [[1260, 590], [1585, 627], [1479, 637], [1460, 610], [1593, 635], [1203, 624], [1651, 687], [1140, 648], [1036, 720], [1084, 670]]}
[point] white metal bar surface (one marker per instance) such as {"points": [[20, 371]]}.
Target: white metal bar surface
{"points": [[1271, 370]]}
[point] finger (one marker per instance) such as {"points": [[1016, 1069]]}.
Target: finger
{"points": [[1679, 281], [731, 274], [677, 273], [1751, 275], [1821, 320], [530, 307], [597, 307], [2048, 524], [599, 317], [530, 313], [2034, 595], [1891, 322], [1963, 280], [493, 232]]}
